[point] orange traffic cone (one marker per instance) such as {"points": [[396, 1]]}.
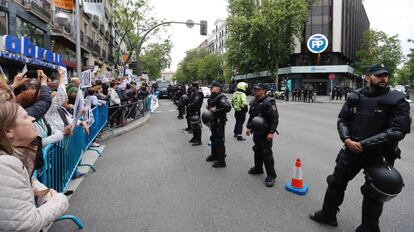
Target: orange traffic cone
{"points": [[296, 185]]}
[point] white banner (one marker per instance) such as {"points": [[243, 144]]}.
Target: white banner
{"points": [[66, 73], [94, 7], [79, 103], [86, 78], [154, 103]]}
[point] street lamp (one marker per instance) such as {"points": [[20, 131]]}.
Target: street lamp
{"points": [[189, 23]]}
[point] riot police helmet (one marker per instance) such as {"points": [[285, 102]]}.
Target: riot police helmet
{"points": [[207, 117], [258, 125], [184, 97], [384, 182]]}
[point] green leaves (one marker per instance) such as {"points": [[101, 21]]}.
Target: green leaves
{"points": [[156, 58], [262, 36], [379, 48], [405, 75], [199, 65]]}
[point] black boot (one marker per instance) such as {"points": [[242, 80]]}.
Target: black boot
{"points": [[324, 218], [240, 138], [211, 158], [192, 140], [255, 171], [219, 164], [197, 143]]}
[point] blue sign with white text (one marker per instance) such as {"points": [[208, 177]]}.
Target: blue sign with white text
{"points": [[25, 48], [317, 43]]}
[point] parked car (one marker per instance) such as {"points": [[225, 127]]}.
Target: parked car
{"points": [[206, 91]]}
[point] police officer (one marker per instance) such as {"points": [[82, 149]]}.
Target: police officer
{"points": [[188, 91], [263, 107], [371, 123], [193, 110], [239, 104], [179, 101], [220, 106]]}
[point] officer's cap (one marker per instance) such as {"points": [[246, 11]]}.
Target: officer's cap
{"points": [[376, 69], [215, 84], [260, 86]]}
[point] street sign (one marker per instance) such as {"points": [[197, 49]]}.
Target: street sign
{"points": [[332, 77], [317, 43]]}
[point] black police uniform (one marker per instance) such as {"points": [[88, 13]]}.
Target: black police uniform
{"points": [[218, 149], [265, 108], [193, 109], [178, 101], [378, 121], [189, 91]]}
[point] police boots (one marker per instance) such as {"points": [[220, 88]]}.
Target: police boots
{"points": [[324, 218]]}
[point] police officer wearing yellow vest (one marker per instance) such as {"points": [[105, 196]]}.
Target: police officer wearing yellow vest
{"points": [[263, 122], [219, 106], [371, 123], [239, 103]]}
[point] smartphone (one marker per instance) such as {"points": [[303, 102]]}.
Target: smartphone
{"points": [[32, 74]]}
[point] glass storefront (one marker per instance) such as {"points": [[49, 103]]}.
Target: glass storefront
{"points": [[27, 29]]}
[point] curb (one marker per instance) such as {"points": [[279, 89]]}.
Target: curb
{"points": [[109, 134]]}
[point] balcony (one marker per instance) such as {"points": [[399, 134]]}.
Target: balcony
{"points": [[42, 7], [103, 54], [95, 20], [89, 43], [107, 36], [82, 38], [102, 29], [96, 49]]}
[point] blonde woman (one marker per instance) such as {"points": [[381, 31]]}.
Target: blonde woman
{"points": [[26, 204]]}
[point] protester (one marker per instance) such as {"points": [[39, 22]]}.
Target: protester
{"points": [[26, 204]]}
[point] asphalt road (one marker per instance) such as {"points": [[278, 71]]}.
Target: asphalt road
{"points": [[151, 179]]}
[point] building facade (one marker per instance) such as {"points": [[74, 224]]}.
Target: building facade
{"points": [[33, 22], [343, 22], [215, 42]]}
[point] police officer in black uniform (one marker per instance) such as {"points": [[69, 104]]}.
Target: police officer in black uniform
{"points": [[188, 92], [179, 101], [220, 106], [193, 110], [371, 123], [263, 107]]}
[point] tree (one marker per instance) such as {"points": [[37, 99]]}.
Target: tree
{"points": [[209, 67], [379, 48], [405, 75], [262, 36], [126, 15], [156, 58], [199, 65]]}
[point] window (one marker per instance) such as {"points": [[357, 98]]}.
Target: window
{"points": [[27, 29], [3, 23]]}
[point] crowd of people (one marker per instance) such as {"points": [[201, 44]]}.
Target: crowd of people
{"points": [[305, 94], [37, 110], [339, 92]]}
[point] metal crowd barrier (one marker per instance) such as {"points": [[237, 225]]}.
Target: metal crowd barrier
{"points": [[122, 113], [62, 158]]}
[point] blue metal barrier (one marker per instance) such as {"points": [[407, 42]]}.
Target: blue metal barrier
{"points": [[62, 158]]}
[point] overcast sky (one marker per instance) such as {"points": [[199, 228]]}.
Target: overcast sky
{"points": [[391, 16]]}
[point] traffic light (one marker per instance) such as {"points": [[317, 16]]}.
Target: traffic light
{"points": [[203, 27]]}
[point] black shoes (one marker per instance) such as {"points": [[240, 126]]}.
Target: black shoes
{"points": [[363, 228], [219, 164], [188, 129], [197, 143], [269, 181], [180, 117], [192, 140], [324, 218], [210, 158], [235, 136], [240, 138], [255, 171]]}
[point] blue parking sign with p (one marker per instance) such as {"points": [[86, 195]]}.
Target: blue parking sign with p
{"points": [[317, 43]]}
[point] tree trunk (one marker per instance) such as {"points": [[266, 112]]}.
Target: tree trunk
{"points": [[277, 76]]}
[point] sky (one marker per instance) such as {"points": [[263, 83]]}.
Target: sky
{"points": [[391, 16]]}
